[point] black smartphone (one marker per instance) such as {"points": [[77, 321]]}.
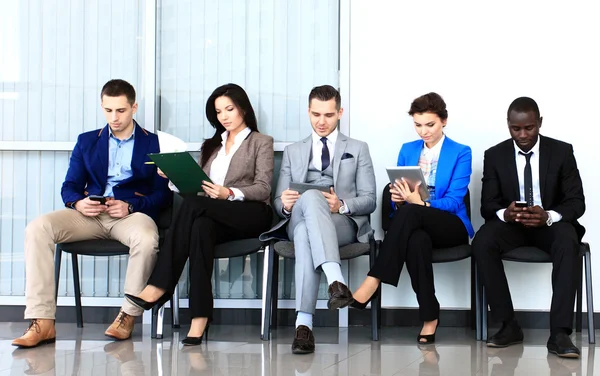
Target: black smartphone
{"points": [[521, 204], [100, 199]]}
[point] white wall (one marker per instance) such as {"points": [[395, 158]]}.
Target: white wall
{"points": [[479, 57]]}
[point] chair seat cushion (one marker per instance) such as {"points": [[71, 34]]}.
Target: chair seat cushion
{"points": [[286, 249], [526, 254], [96, 247], [451, 254], [237, 248]]}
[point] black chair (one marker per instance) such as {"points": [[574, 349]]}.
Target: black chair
{"points": [[285, 249], [536, 255], [98, 247], [442, 255]]}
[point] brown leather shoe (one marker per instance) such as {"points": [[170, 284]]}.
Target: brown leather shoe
{"points": [[39, 332], [122, 327], [304, 341], [340, 296]]}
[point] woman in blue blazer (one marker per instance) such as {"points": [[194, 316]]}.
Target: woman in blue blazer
{"points": [[418, 226]]}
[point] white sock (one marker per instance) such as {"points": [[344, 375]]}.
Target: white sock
{"points": [[333, 272], [305, 319]]}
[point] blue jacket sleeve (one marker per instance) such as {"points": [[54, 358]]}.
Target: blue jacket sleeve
{"points": [[400, 162], [77, 176], [459, 184]]}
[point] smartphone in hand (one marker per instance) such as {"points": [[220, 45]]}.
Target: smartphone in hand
{"points": [[520, 204], [100, 199]]}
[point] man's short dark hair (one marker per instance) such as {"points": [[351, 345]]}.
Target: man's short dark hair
{"points": [[325, 93], [116, 88], [432, 102], [524, 104]]}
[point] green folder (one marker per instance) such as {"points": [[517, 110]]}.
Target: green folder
{"points": [[182, 170]]}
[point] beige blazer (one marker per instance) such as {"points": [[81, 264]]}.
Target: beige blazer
{"points": [[251, 167]]}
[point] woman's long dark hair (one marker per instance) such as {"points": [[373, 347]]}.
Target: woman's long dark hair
{"points": [[240, 99]]}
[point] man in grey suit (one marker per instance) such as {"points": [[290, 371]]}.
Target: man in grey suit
{"points": [[320, 222]]}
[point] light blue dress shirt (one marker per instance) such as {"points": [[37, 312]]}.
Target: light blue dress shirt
{"points": [[120, 153]]}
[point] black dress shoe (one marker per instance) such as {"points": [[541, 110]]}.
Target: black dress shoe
{"points": [[340, 296], [304, 341], [561, 345], [147, 305], [509, 334]]}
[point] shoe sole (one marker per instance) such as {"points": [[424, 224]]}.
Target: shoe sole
{"points": [[570, 355], [493, 345], [302, 352], [117, 338], [44, 342], [338, 303]]}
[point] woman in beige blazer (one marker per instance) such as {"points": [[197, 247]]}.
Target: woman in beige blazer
{"points": [[239, 161]]}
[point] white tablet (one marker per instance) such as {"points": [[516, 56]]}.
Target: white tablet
{"points": [[412, 175]]}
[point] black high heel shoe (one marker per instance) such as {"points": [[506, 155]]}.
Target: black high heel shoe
{"points": [[358, 305], [195, 341], [429, 338], [147, 305]]}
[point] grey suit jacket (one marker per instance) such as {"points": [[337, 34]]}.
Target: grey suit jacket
{"points": [[353, 179], [251, 167]]}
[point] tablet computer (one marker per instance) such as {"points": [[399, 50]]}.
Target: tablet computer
{"points": [[412, 175], [303, 187], [182, 170]]}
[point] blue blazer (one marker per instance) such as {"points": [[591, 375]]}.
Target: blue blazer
{"points": [[452, 176], [88, 172]]}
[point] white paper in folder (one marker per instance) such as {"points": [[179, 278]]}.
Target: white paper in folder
{"points": [[169, 143]]}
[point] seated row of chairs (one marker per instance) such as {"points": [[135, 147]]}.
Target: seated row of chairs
{"points": [[285, 249]]}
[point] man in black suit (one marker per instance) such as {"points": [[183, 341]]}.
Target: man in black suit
{"points": [[542, 172]]}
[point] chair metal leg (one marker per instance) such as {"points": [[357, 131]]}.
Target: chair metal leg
{"points": [[274, 289], [376, 301], [289, 273], [175, 308], [474, 313], [484, 314], [77, 290], [265, 325], [478, 305], [160, 321], [153, 322], [589, 295], [579, 295], [57, 262]]}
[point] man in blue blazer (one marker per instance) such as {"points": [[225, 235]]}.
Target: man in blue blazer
{"points": [[109, 193]]}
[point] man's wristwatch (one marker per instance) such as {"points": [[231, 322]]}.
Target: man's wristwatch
{"points": [[231, 195], [130, 208], [549, 221], [342, 209]]}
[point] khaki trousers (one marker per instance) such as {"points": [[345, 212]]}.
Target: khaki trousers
{"points": [[137, 231]]}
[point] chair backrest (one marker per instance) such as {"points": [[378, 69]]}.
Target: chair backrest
{"points": [[276, 170], [386, 208]]}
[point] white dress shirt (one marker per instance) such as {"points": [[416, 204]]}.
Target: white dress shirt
{"points": [[220, 165], [317, 148], [535, 179]]}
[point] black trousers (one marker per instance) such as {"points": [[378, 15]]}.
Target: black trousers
{"points": [[201, 224], [413, 234], [559, 240]]}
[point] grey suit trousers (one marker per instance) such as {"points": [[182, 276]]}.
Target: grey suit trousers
{"points": [[317, 234]]}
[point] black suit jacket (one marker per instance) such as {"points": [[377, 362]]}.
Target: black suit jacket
{"points": [[560, 183]]}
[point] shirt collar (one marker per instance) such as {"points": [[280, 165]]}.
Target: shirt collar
{"points": [[535, 149], [238, 137], [110, 133], [436, 148], [331, 138]]}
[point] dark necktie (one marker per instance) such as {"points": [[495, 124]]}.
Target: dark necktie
{"points": [[324, 154], [528, 179]]}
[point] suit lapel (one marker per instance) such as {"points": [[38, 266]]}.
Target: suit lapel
{"points": [[414, 155], [102, 153], [340, 148], [140, 150], [444, 169], [544, 160], [511, 166], [305, 156]]}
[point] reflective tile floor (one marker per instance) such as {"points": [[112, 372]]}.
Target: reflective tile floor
{"points": [[238, 350]]}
